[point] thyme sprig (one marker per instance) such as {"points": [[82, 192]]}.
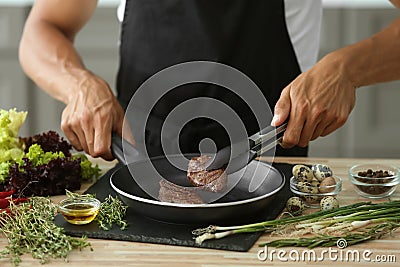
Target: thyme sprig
{"points": [[112, 211], [29, 228], [70, 194]]}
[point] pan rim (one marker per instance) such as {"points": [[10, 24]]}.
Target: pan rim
{"points": [[205, 205]]}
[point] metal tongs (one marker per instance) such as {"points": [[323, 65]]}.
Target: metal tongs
{"points": [[259, 143]]}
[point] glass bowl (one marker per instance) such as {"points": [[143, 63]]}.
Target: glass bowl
{"points": [[367, 182], [79, 210], [311, 194]]}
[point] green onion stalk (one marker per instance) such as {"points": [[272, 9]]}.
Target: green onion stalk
{"points": [[375, 232], [370, 220]]}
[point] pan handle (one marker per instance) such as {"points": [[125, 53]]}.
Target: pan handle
{"points": [[116, 148], [124, 151]]}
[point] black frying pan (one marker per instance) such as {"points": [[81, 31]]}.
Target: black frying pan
{"points": [[245, 202]]}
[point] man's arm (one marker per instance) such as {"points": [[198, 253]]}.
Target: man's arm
{"points": [[320, 100], [48, 56]]}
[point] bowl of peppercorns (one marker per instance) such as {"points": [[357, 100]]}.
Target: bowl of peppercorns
{"points": [[374, 180]]}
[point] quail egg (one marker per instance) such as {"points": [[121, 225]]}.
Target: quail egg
{"points": [[327, 185], [306, 187], [321, 171], [302, 173], [310, 190], [315, 183], [328, 203], [295, 205]]}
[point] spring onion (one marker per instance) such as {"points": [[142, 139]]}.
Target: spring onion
{"points": [[358, 222]]}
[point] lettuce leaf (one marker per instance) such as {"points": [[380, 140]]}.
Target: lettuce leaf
{"points": [[45, 157], [88, 170], [37, 156], [4, 170], [11, 121], [11, 149]]}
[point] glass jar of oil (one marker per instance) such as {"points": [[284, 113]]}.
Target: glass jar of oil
{"points": [[79, 210]]}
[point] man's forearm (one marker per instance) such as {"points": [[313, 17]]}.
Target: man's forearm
{"points": [[46, 51], [373, 60], [51, 60]]}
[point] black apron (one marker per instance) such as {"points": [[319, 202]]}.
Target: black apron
{"points": [[250, 36]]}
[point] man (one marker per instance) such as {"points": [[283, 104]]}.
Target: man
{"points": [[255, 37]]}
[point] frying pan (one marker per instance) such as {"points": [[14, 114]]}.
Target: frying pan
{"points": [[244, 202]]}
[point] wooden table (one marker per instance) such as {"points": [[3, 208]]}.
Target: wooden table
{"points": [[120, 253]]}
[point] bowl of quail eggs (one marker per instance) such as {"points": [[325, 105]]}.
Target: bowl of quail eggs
{"points": [[316, 186]]}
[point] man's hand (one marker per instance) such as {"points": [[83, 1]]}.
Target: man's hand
{"points": [[317, 102], [91, 116], [320, 100], [48, 56]]}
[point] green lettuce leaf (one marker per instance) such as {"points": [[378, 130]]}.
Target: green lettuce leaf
{"points": [[12, 120], [4, 170], [88, 169], [37, 156], [11, 149]]}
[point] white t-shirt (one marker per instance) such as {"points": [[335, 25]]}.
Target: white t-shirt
{"points": [[303, 20]]}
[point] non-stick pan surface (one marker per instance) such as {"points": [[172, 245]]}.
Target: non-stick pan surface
{"points": [[244, 202]]}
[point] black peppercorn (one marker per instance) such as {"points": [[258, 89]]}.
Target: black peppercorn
{"points": [[374, 178]]}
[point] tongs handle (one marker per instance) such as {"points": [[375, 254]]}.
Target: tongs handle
{"points": [[267, 138], [259, 143]]}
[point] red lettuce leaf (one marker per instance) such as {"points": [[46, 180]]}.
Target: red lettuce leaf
{"points": [[49, 141], [47, 179]]}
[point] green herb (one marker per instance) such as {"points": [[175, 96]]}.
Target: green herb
{"points": [[112, 211], [29, 228], [70, 194], [330, 224]]}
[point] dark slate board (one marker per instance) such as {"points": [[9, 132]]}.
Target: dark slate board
{"points": [[142, 229]]}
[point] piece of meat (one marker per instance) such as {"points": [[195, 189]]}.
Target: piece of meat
{"points": [[170, 192], [214, 180]]}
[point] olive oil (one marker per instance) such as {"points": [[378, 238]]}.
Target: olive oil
{"points": [[79, 213]]}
